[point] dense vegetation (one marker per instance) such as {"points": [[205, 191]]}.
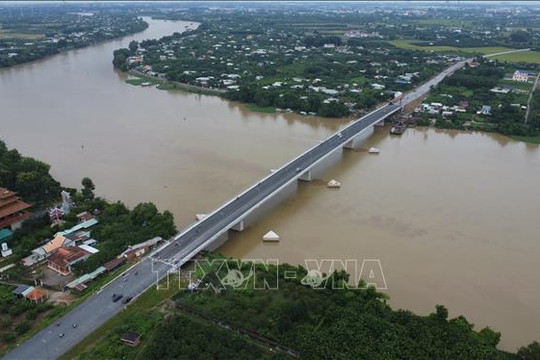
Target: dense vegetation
{"points": [[180, 337], [33, 233], [47, 30], [261, 57], [120, 227], [475, 85], [28, 176], [319, 324], [16, 315]]}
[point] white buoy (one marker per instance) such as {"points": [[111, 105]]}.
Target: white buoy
{"points": [[373, 150], [271, 236], [199, 217], [334, 184]]}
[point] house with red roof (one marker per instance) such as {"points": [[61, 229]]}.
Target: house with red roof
{"points": [[64, 257]]}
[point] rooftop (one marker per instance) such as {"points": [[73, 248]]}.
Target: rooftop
{"points": [[20, 289], [5, 234], [10, 208], [65, 255], [131, 338]]}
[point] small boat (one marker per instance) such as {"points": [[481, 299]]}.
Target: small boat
{"points": [[373, 150], [271, 236], [333, 184]]}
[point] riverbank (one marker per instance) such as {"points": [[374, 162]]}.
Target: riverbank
{"points": [[57, 42], [527, 139], [187, 153], [261, 109], [164, 84]]}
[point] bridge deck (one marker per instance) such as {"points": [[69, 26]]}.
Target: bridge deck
{"points": [[97, 309], [200, 235]]}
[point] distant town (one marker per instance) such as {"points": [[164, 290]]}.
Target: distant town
{"points": [[320, 67], [31, 36]]}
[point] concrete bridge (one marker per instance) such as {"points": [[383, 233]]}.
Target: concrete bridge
{"points": [[208, 233]]}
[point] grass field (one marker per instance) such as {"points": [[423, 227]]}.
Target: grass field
{"points": [[527, 139], [11, 35], [166, 86], [265, 109], [443, 22], [532, 57], [410, 45]]}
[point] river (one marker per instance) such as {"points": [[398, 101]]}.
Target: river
{"points": [[451, 215]]}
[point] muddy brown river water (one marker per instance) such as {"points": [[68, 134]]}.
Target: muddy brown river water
{"points": [[452, 216]]}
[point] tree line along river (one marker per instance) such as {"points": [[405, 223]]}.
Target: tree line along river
{"points": [[451, 215]]}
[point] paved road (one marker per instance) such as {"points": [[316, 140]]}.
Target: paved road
{"points": [[425, 87], [96, 310], [506, 52], [93, 313]]}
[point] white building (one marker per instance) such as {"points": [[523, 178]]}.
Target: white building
{"points": [[520, 76]]}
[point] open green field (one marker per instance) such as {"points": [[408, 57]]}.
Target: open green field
{"points": [[12, 35], [524, 86], [528, 139], [410, 45], [443, 22], [531, 57], [265, 109]]}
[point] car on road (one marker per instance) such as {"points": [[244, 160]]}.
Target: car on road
{"points": [[126, 300], [61, 335], [116, 297]]}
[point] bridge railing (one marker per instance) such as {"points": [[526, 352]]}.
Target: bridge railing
{"points": [[273, 174]]}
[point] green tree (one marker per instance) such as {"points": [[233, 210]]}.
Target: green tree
{"points": [[88, 188], [489, 337], [531, 352], [133, 46]]}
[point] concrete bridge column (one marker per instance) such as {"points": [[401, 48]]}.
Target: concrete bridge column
{"points": [[356, 141], [306, 176], [218, 242], [317, 170], [239, 227]]}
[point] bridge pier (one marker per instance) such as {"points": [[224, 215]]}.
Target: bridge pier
{"points": [[239, 227], [317, 170], [309, 169], [218, 242], [263, 207], [356, 141], [306, 176]]}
